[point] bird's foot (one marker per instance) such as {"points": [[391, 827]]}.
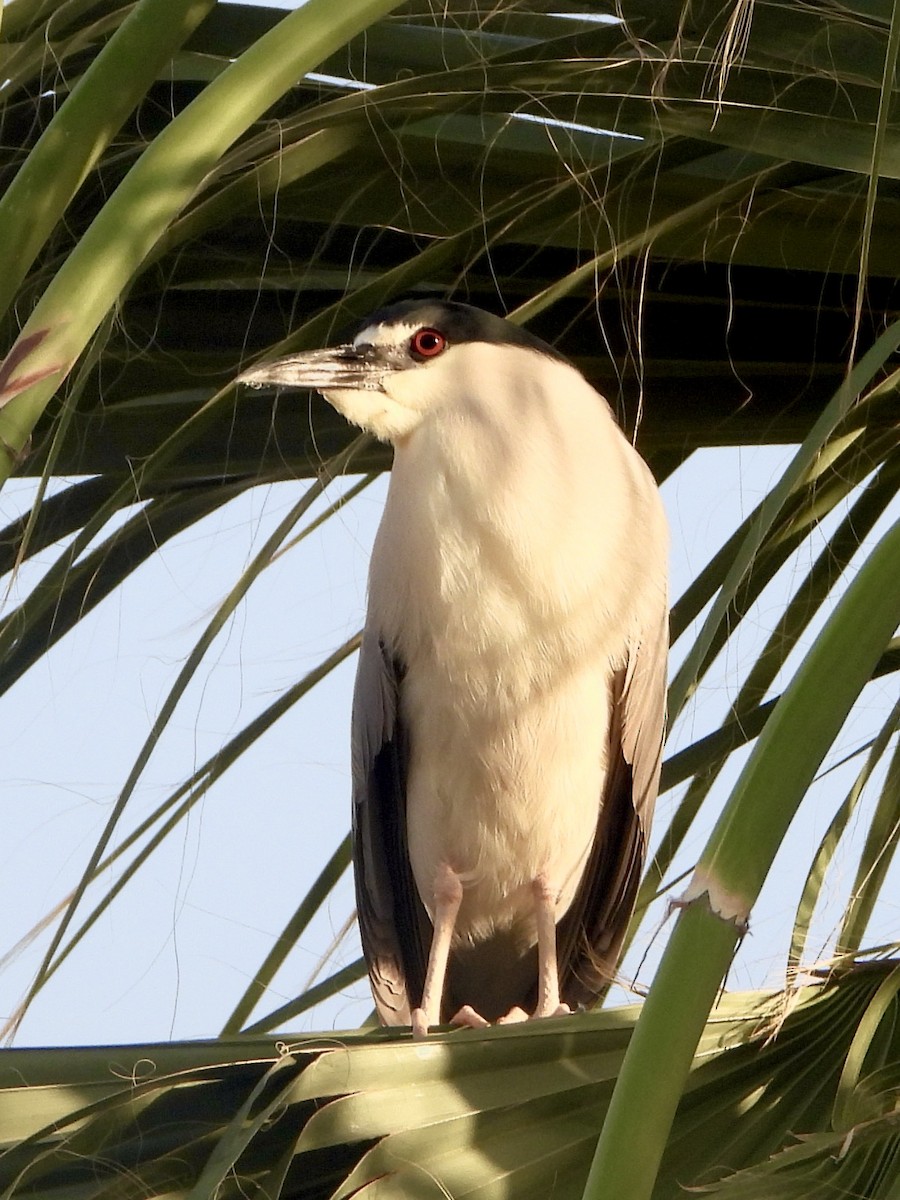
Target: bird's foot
{"points": [[420, 1024], [517, 1014], [513, 1017], [469, 1018], [556, 1010]]}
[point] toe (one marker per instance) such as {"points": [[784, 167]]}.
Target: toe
{"points": [[559, 1010], [514, 1016], [468, 1017]]}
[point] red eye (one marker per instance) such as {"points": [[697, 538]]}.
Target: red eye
{"points": [[427, 343]]}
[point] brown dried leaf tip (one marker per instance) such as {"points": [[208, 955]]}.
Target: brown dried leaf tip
{"points": [[10, 388]]}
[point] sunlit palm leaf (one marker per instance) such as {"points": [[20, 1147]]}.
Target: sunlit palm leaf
{"points": [[475, 1114]]}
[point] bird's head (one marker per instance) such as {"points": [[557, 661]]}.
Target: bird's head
{"points": [[403, 362]]}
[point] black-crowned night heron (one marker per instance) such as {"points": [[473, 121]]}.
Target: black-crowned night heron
{"points": [[508, 716]]}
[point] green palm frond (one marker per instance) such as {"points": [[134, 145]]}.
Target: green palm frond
{"points": [[510, 1111]]}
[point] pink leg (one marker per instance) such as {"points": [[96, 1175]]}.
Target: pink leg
{"points": [[545, 900], [548, 1001], [448, 893]]}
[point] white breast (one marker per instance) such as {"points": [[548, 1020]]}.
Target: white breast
{"points": [[509, 577]]}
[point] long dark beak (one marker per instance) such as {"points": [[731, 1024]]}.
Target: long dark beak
{"points": [[324, 370]]}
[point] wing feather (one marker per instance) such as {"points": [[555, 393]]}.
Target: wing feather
{"points": [[591, 933], [394, 927]]}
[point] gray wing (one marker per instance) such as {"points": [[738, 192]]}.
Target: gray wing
{"points": [[591, 932], [393, 925]]}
